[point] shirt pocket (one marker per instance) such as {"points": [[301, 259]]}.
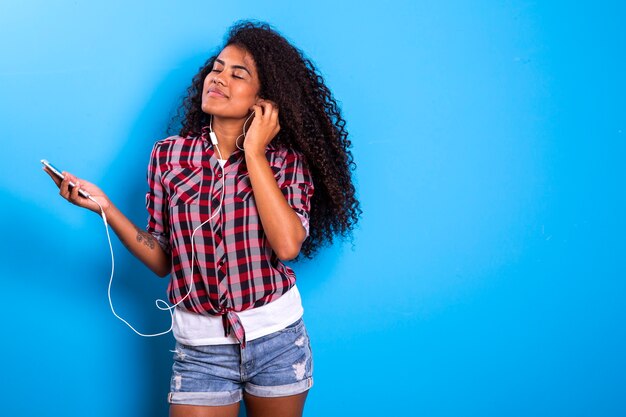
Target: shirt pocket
{"points": [[184, 185], [243, 188]]}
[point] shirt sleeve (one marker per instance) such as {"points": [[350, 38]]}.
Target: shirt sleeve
{"points": [[156, 203], [296, 184]]}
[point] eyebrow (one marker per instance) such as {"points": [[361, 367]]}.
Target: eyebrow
{"points": [[234, 66]]}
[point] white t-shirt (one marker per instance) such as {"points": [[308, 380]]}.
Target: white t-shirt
{"points": [[196, 329]]}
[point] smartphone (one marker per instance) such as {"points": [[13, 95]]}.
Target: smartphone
{"points": [[58, 173]]}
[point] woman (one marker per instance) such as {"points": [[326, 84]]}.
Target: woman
{"points": [[259, 173]]}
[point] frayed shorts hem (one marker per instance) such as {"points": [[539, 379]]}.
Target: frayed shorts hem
{"points": [[279, 390], [232, 397], [205, 398]]}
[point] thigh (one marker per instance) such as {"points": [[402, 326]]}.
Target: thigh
{"points": [[178, 410], [290, 406]]}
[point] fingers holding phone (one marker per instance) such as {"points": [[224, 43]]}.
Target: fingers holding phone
{"points": [[76, 191]]}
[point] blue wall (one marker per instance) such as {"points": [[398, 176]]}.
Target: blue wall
{"points": [[487, 277]]}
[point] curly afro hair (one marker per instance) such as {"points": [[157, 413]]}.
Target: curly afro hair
{"points": [[310, 123]]}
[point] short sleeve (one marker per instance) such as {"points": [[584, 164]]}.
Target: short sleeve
{"points": [[296, 184], [156, 202]]}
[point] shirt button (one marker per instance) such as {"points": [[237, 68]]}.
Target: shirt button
{"points": [[219, 175]]}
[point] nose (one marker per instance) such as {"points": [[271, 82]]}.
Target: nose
{"points": [[217, 80]]}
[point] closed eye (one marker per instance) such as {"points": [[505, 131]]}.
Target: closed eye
{"points": [[234, 76]]}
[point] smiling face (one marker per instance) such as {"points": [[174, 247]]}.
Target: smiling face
{"points": [[232, 86]]}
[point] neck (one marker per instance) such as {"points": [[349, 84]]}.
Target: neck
{"points": [[227, 131]]}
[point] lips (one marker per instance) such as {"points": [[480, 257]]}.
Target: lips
{"points": [[216, 92]]}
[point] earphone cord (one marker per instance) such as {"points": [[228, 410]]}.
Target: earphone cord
{"points": [[106, 227], [162, 304]]}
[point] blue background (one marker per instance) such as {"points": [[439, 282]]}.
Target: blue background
{"points": [[487, 276]]}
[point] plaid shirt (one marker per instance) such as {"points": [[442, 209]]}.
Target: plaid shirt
{"points": [[235, 268]]}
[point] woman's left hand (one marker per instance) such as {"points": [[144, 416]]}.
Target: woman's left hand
{"points": [[264, 126]]}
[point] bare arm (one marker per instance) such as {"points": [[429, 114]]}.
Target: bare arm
{"points": [[281, 224], [140, 243]]}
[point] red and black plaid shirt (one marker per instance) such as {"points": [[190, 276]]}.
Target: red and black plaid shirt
{"points": [[236, 268]]}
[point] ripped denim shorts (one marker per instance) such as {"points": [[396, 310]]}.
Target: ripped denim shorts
{"points": [[276, 365]]}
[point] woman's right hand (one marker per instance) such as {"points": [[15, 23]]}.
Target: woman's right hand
{"points": [[72, 195]]}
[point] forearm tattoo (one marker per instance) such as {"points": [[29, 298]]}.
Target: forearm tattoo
{"points": [[146, 238]]}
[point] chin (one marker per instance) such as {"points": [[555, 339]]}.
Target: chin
{"points": [[208, 108], [225, 113]]}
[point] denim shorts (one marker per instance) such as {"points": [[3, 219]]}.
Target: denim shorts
{"points": [[276, 365]]}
